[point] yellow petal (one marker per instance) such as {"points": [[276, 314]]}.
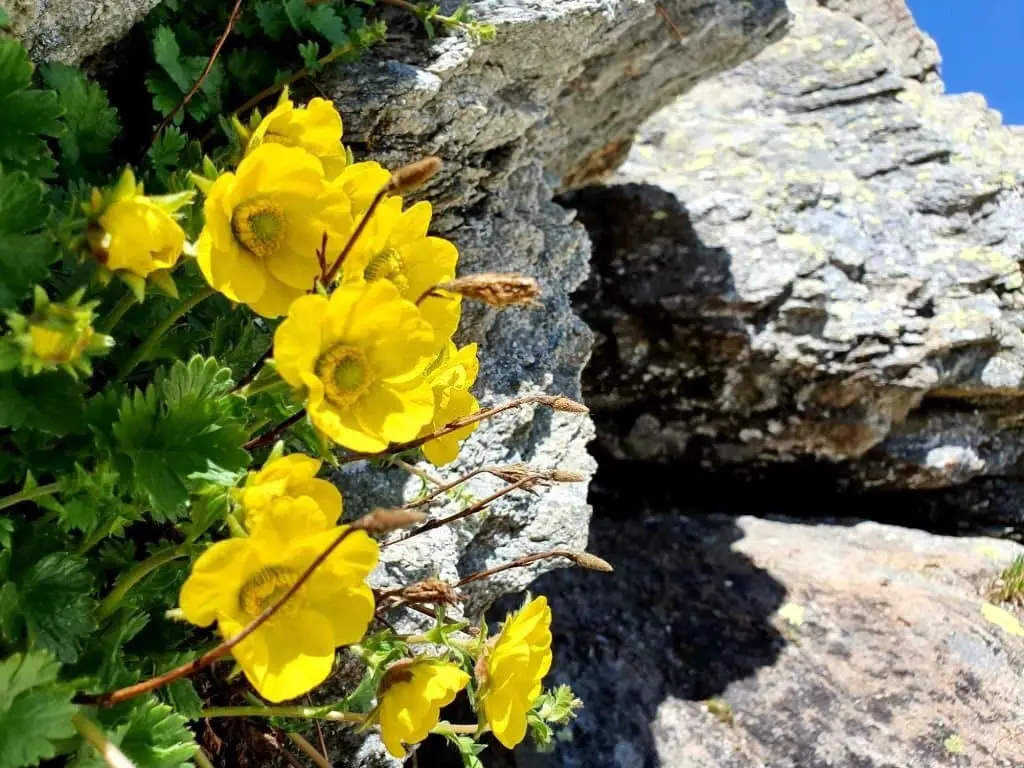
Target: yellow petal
{"points": [[213, 576], [298, 340]]}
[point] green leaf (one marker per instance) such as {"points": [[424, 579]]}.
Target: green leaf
{"points": [[50, 402], [297, 12], [310, 53], [25, 249], [55, 598], [272, 18], [92, 124], [168, 55], [185, 423], [325, 21], [35, 712], [166, 150], [153, 737], [26, 114]]}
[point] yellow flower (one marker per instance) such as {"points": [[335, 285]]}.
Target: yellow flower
{"points": [[288, 476], [136, 234], [513, 669], [361, 182], [264, 225], [316, 128], [395, 247], [452, 376], [411, 698], [58, 346], [360, 357], [237, 579]]}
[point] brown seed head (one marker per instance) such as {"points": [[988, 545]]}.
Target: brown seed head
{"points": [[565, 476], [409, 177], [591, 562], [381, 521], [514, 473], [431, 591], [563, 403], [497, 289]]}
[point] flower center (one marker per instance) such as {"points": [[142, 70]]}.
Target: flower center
{"points": [[259, 225], [388, 265], [346, 375], [264, 588], [279, 138]]}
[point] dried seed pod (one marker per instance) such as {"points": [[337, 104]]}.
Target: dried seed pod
{"points": [[590, 562], [381, 521], [409, 177], [563, 403], [430, 591], [565, 476], [496, 289]]}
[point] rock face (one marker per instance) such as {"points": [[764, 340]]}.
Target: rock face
{"points": [[70, 30], [738, 642], [816, 256], [545, 104]]}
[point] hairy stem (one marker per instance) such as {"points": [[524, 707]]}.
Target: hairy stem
{"points": [[271, 436], [28, 495], [134, 576], [126, 302], [98, 740]]}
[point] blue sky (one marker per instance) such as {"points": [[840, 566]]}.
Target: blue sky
{"points": [[982, 45]]}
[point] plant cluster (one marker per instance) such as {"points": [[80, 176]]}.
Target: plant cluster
{"points": [[186, 343]]}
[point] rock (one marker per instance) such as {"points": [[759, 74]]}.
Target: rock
{"points": [[739, 642], [70, 30], [815, 256], [512, 119]]}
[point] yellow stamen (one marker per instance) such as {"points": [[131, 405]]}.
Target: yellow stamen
{"points": [[388, 265], [259, 225], [264, 588], [346, 375]]}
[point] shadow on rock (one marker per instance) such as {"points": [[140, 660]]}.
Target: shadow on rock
{"points": [[682, 617]]}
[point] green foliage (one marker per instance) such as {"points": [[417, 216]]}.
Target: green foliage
{"points": [[35, 710], [1009, 587], [186, 422], [91, 123], [26, 248], [27, 115], [152, 735]]}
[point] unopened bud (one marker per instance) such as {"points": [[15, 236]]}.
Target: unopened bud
{"points": [[591, 562], [496, 289], [409, 177], [381, 521]]}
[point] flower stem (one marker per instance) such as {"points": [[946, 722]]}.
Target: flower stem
{"points": [[202, 760], [146, 347], [270, 385], [134, 576], [28, 495], [126, 302], [107, 750]]}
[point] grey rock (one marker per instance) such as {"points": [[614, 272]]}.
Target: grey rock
{"points": [[70, 30], [816, 256], [738, 642], [513, 119]]}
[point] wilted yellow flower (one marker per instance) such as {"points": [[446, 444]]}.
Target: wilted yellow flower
{"points": [[453, 374], [264, 225], [510, 674], [395, 247], [237, 579], [133, 233], [410, 700], [288, 476], [316, 128], [360, 357]]}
